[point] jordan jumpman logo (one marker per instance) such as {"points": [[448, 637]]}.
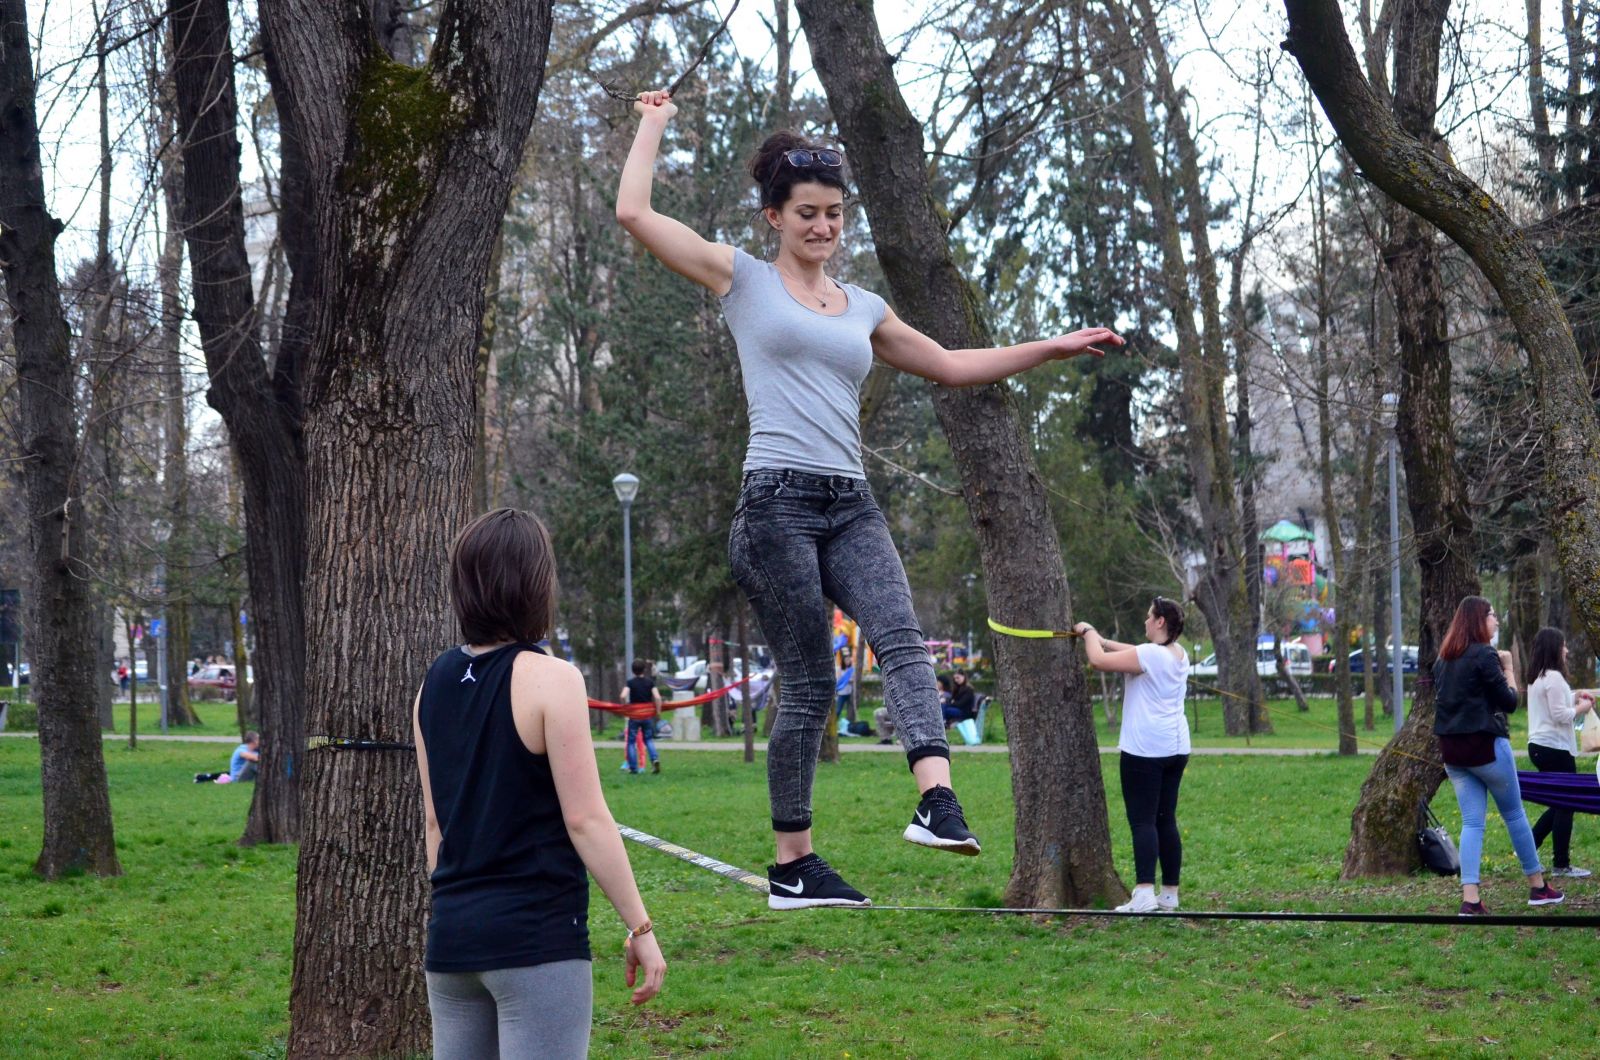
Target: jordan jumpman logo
{"points": [[468, 676]]}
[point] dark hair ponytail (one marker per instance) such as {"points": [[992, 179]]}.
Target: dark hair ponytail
{"points": [[776, 176], [1171, 613]]}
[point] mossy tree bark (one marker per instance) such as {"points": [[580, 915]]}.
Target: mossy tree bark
{"points": [[1222, 593], [260, 406], [1063, 843], [62, 610], [408, 170]]}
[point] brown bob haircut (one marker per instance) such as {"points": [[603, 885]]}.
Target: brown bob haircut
{"points": [[503, 578], [1470, 626]]}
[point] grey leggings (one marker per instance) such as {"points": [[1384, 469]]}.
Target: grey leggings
{"points": [[543, 1010], [797, 541]]}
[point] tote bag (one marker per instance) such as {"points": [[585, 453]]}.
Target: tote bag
{"points": [[1437, 848]]}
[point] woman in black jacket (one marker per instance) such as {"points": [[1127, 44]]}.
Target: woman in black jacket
{"points": [[1474, 689], [963, 700]]}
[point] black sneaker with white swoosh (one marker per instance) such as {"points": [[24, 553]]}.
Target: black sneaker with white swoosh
{"points": [[807, 882], [939, 823]]}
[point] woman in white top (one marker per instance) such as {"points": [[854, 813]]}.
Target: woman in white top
{"points": [[1154, 745], [1552, 710]]}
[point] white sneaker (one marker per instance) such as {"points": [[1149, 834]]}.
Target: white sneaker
{"points": [[1167, 902], [1143, 901], [1571, 873]]}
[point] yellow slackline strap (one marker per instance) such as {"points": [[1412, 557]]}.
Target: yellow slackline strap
{"points": [[1032, 634]]}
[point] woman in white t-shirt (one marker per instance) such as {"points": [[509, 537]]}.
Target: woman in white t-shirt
{"points": [[1154, 745], [1552, 710]]}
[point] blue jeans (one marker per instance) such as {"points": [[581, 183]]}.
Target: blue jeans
{"points": [[647, 726], [797, 541], [1474, 785]]}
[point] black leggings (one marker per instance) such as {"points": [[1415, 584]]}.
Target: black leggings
{"points": [[1554, 821], [1150, 793]]}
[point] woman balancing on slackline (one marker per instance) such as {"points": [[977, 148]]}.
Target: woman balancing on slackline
{"points": [[806, 526]]}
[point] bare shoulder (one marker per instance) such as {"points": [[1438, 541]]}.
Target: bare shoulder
{"points": [[545, 675]]}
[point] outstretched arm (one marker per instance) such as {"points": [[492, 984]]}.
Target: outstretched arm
{"points": [[678, 247], [1120, 660], [902, 346]]}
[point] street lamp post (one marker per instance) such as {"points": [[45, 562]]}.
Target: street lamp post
{"points": [[1391, 409], [161, 530], [627, 488]]}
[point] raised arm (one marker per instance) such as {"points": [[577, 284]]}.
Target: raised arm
{"points": [[677, 246], [902, 346]]}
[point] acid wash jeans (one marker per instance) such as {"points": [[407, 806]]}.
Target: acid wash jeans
{"points": [[799, 540]]}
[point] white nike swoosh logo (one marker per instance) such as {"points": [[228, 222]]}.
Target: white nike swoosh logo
{"points": [[924, 817], [798, 888]]}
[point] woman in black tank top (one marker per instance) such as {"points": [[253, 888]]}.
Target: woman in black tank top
{"points": [[516, 821]]}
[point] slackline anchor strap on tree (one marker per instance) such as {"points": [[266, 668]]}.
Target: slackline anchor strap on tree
{"points": [[759, 884], [1032, 634], [351, 743]]}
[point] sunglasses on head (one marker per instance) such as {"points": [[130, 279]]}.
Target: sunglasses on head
{"points": [[801, 158]]}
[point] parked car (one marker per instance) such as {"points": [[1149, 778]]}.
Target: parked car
{"points": [[22, 678], [702, 680], [1298, 655], [211, 682], [1358, 660]]}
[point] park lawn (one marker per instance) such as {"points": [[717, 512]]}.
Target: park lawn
{"points": [[217, 718], [188, 955]]}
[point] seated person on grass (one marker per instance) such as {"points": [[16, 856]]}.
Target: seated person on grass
{"points": [[243, 764]]}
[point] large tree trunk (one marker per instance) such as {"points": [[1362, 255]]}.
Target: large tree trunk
{"points": [[260, 411], [175, 451], [1408, 771], [1404, 159], [408, 173], [1343, 602], [61, 604], [1224, 597], [1063, 843], [101, 426]]}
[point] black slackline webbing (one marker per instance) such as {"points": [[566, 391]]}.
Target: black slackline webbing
{"points": [[758, 883]]}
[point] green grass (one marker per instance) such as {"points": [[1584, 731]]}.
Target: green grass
{"points": [[217, 718], [188, 955]]}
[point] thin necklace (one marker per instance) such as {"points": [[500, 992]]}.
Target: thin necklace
{"points": [[823, 302]]}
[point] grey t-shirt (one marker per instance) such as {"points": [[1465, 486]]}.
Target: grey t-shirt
{"points": [[802, 371]]}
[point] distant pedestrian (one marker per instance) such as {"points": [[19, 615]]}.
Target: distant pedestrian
{"points": [[1474, 689], [1552, 710], [124, 679], [642, 690]]}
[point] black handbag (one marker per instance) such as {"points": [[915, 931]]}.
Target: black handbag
{"points": [[1437, 848]]}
